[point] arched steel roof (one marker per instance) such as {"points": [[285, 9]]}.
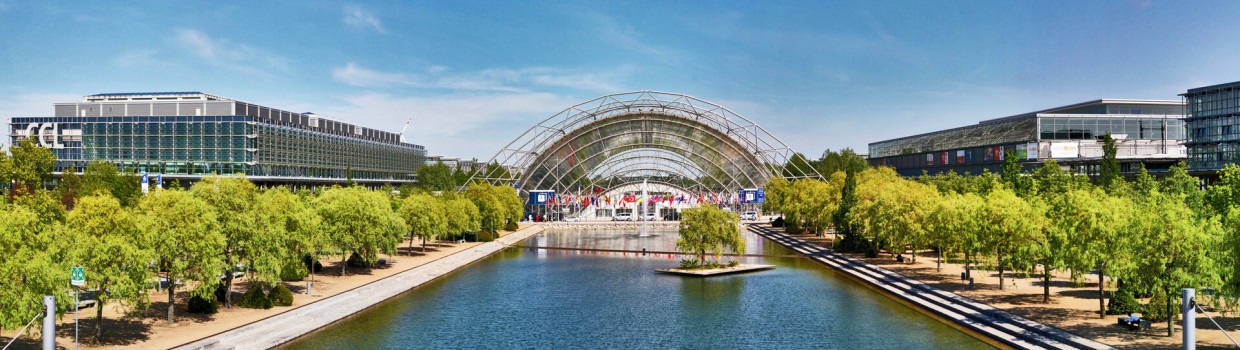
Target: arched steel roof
{"points": [[624, 138]]}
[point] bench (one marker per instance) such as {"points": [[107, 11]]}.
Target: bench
{"points": [[1134, 326]]}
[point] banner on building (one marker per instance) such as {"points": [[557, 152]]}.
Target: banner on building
{"points": [[943, 158], [929, 158], [998, 152], [1031, 151], [1065, 150], [960, 157]]}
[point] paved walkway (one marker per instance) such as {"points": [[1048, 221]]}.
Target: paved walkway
{"points": [[997, 324], [279, 329]]}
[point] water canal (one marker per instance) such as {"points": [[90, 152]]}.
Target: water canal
{"points": [[540, 298]]}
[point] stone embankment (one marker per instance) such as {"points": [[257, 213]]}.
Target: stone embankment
{"points": [[999, 326], [279, 329]]}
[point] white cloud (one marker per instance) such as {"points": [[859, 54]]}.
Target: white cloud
{"points": [[137, 58], [467, 125], [362, 18], [509, 80], [225, 54]]}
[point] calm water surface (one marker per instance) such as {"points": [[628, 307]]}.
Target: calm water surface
{"points": [[538, 298]]}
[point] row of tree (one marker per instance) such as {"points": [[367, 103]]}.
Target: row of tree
{"points": [[130, 243], [1155, 236]]}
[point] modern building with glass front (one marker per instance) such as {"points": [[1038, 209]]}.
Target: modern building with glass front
{"points": [[1149, 132], [1213, 118], [188, 135]]}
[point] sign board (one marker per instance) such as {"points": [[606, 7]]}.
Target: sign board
{"points": [[540, 197], [77, 276], [146, 183], [1065, 150], [752, 195], [159, 181], [1031, 150]]}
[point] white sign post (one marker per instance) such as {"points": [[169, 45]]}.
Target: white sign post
{"points": [[77, 279]]}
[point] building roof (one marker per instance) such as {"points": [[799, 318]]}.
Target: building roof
{"points": [[1098, 102], [119, 94], [1211, 87]]}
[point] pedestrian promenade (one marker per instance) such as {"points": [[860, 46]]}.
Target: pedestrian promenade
{"points": [[1000, 326], [279, 329]]}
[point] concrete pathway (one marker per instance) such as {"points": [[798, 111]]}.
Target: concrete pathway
{"points": [[279, 329], [997, 324]]}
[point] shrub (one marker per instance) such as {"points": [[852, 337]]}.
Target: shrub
{"points": [[294, 271], [487, 236], [733, 263], [280, 295], [200, 305], [356, 260], [254, 299], [1156, 310], [511, 226], [779, 222], [311, 263], [1122, 302], [688, 263], [220, 292]]}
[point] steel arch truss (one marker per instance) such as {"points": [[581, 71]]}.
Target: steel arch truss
{"points": [[625, 138]]}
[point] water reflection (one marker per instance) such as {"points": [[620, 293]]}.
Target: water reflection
{"points": [[539, 298]]}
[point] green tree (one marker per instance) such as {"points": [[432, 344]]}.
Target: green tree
{"points": [[708, 229], [357, 220], [954, 227], [798, 166], [1097, 226], [1109, 171], [1012, 174], [492, 209], [69, 188], [810, 204], [233, 200], [108, 242], [1177, 249], [843, 161], [1144, 183], [899, 214], [436, 177], [184, 234], [1011, 226], [463, 216], [293, 224], [426, 216], [30, 164], [33, 259]]}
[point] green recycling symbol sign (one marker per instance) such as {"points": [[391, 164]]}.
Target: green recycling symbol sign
{"points": [[78, 276]]}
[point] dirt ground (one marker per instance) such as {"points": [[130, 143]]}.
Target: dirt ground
{"points": [[1072, 307], [152, 331]]}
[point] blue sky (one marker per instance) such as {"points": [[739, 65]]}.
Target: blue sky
{"points": [[474, 74]]}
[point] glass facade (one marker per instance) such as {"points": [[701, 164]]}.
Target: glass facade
{"points": [[262, 148], [1152, 131], [1213, 118]]}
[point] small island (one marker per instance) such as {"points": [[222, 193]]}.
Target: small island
{"points": [[710, 229]]}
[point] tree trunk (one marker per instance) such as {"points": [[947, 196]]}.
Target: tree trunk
{"points": [[98, 318], [411, 244], [968, 271], [171, 304], [1170, 314], [1046, 283], [344, 262], [1000, 272], [938, 265], [1102, 309], [423, 244], [228, 283]]}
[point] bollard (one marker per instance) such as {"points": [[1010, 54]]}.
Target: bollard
{"points": [[962, 276], [1188, 307], [970, 282], [49, 322]]}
